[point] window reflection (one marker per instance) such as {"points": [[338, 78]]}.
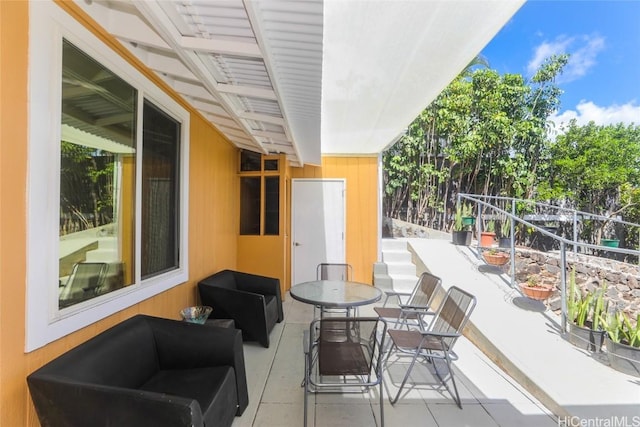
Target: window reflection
{"points": [[97, 179]]}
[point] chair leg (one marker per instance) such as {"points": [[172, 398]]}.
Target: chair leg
{"points": [[456, 397], [381, 405], [404, 380], [305, 405]]}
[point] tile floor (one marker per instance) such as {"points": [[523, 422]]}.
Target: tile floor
{"points": [[489, 397]]}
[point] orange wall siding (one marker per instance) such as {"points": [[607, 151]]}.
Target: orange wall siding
{"points": [[213, 217], [361, 174], [14, 26]]}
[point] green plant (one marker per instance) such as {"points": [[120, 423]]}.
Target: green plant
{"points": [[505, 227], [533, 281], [586, 309], [621, 330], [462, 210], [490, 227]]}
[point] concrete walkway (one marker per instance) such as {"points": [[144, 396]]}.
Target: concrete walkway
{"points": [[525, 340]]}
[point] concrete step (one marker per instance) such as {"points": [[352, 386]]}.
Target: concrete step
{"points": [[393, 245], [397, 256], [401, 269], [399, 264]]}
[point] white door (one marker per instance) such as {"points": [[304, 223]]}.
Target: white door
{"points": [[317, 224]]}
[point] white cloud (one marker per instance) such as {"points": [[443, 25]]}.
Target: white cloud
{"points": [[545, 50], [587, 111], [583, 51]]}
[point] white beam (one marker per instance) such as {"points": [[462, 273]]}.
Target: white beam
{"points": [[128, 27], [224, 47], [261, 118], [253, 92]]}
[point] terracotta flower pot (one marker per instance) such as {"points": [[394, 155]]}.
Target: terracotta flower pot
{"points": [[537, 292], [487, 238], [499, 258]]}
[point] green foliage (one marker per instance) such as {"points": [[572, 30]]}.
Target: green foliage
{"points": [[86, 185], [621, 330], [586, 308], [484, 134], [594, 164], [462, 210], [505, 227]]}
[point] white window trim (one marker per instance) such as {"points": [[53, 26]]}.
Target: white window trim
{"points": [[48, 25]]}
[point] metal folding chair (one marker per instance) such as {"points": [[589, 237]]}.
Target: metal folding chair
{"points": [[344, 355], [435, 342], [416, 304], [334, 271]]}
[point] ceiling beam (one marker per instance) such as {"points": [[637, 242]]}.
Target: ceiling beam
{"points": [[223, 47], [250, 91], [261, 117]]}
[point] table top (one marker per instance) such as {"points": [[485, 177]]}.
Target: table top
{"points": [[335, 293]]}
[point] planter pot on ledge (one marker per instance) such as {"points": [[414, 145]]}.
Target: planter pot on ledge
{"points": [[487, 238], [499, 258], [462, 238], [539, 292], [623, 358], [610, 243], [504, 242], [586, 338], [468, 220]]}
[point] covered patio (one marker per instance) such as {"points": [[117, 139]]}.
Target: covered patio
{"points": [[489, 396], [321, 88]]}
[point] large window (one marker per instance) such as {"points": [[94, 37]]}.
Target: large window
{"points": [[108, 181], [97, 183]]}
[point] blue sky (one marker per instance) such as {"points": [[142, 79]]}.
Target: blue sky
{"points": [[602, 80]]}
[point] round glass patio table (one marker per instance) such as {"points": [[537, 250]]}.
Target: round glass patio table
{"points": [[335, 293]]}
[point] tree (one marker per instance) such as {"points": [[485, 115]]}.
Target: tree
{"points": [[597, 167], [485, 133]]}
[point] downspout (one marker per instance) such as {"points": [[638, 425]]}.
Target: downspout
{"points": [[380, 197]]}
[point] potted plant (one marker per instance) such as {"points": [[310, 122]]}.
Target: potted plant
{"points": [[623, 343], [488, 236], [495, 257], [610, 243], [535, 290], [584, 313], [461, 234], [505, 232]]}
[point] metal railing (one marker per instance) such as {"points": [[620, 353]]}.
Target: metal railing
{"points": [[484, 203]]}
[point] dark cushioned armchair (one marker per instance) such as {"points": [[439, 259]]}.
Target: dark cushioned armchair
{"points": [[254, 302], [145, 371]]}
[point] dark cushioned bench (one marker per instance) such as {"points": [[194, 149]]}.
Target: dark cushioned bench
{"points": [[145, 371]]}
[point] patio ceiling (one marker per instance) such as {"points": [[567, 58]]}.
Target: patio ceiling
{"points": [[306, 77]]}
